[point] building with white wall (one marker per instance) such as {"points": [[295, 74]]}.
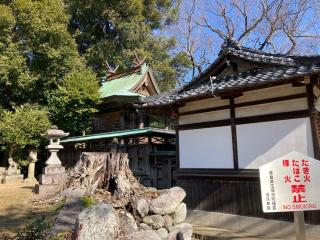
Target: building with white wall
{"points": [[248, 108]]}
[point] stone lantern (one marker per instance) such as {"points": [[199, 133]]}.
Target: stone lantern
{"points": [[53, 175], [53, 135]]}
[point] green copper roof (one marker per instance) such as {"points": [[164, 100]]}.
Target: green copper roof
{"points": [[121, 86], [124, 133]]}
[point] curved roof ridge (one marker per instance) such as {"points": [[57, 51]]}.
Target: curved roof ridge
{"points": [[243, 80]]}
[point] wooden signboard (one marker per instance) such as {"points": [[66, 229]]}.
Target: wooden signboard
{"points": [[291, 184]]}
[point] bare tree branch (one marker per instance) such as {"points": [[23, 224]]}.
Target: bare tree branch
{"points": [[243, 10], [272, 25]]}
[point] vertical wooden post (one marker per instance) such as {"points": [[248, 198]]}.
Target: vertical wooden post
{"points": [[177, 142], [313, 122], [177, 148], [234, 134], [141, 119], [169, 173], [166, 121], [299, 225]]}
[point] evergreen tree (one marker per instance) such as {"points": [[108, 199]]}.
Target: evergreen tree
{"points": [[37, 57], [113, 30], [20, 129]]}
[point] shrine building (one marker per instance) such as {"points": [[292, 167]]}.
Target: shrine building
{"points": [[246, 109], [148, 139]]}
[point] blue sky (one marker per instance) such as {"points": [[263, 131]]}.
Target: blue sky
{"points": [[207, 42]]}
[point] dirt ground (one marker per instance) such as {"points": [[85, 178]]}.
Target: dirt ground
{"points": [[17, 208]]}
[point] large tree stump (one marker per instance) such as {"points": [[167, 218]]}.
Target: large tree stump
{"points": [[107, 171]]}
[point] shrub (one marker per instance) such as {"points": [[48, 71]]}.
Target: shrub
{"points": [[34, 231]]}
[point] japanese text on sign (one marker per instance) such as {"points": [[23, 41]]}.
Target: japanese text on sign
{"points": [[290, 183]]}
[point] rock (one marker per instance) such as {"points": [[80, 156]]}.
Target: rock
{"points": [[131, 221], [152, 189], [145, 226], [180, 213], [142, 235], [168, 222], [184, 228], [168, 201], [156, 221], [162, 233], [97, 222], [128, 224], [142, 207], [67, 217]]}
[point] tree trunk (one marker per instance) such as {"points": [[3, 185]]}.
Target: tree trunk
{"points": [[107, 171]]}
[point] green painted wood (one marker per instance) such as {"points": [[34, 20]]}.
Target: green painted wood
{"points": [[122, 85], [124, 133]]}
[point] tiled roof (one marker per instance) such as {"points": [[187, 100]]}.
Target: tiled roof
{"points": [[256, 56], [281, 67], [233, 82], [233, 48]]}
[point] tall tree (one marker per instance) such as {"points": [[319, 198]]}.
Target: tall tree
{"points": [[115, 29], [37, 57]]}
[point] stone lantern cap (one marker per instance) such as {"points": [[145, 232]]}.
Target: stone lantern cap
{"points": [[54, 133]]}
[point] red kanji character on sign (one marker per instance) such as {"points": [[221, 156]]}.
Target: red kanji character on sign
{"points": [[296, 171], [298, 188], [305, 163], [285, 163], [295, 163], [307, 178], [306, 170], [299, 198], [287, 179]]}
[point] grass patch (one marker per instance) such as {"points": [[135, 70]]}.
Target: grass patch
{"points": [[62, 236], [34, 231], [87, 201]]}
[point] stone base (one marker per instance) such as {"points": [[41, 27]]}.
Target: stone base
{"points": [[12, 178], [52, 175], [51, 180], [13, 171], [46, 190], [54, 169], [3, 171], [30, 180]]}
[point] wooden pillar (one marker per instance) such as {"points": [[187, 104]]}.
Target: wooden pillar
{"points": [[234, 134], [141, 119], [313, 120], [169, 174], [177, 148]]}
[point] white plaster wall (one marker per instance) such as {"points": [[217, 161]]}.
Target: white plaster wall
{"points": [[259, 143], [205, 103], [275, 107], [205, 117], [206, 148], [278, 91]]}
